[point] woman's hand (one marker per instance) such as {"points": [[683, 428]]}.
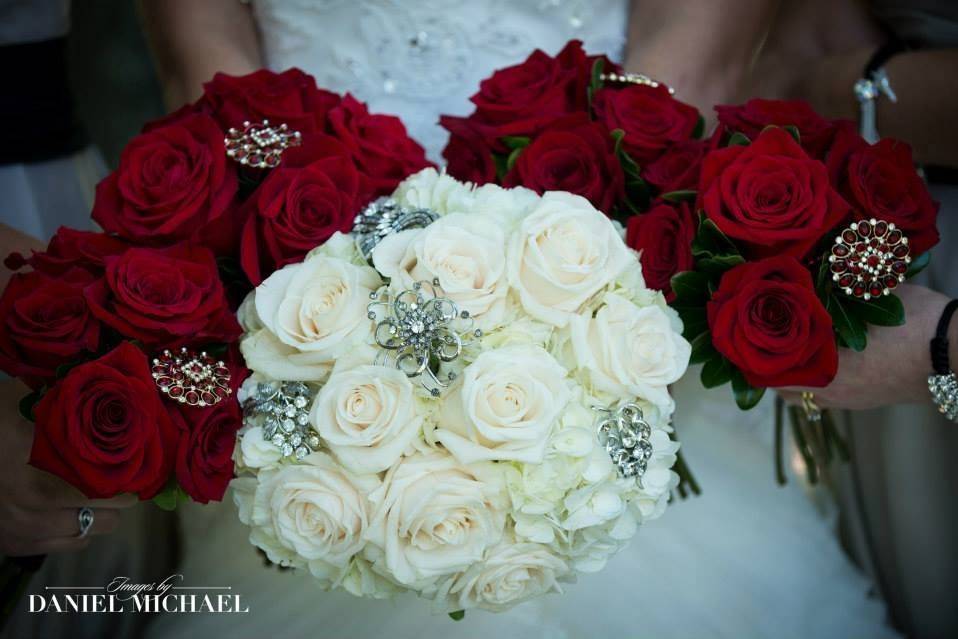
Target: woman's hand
{"points": [[894, 367], [38, 511]]}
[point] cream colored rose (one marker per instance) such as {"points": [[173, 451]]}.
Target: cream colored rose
{"points": [[562, 254], [464, 252], [313, 514], [311, 313], [254, 451], [630, 351], [367, 417], [434, 516], [504, 407], [510, 574], [438, 192]]}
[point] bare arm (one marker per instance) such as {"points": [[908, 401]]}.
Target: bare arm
{"points": [[701, 48], [191, 40]]}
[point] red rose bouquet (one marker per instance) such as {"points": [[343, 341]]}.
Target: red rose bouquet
{"points": [[127, 337], [801, 233]]}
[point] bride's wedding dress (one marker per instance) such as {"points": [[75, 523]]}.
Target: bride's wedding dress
{"points": [[746, 559]]}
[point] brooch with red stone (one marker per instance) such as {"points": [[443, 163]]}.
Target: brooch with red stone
{"points": [[869, 258], [260, 145], [195, 379]]}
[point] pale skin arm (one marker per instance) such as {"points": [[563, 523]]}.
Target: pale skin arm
{"points": [[38, 511], [191, 40], [701, 48], [894, 367]]}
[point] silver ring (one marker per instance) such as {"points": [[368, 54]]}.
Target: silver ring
{"points": [[85, 520]]}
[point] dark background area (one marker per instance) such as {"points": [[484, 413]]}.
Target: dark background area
{"points": [[112, 73]]}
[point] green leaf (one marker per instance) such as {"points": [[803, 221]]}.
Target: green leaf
{"points": [[699, 128], [690, 285], [459, 615], [629, 166], [679, 196], [918, 264], [746, 396], [29, 402], [719, 264], [710, 241], [598, 66], [793, 131], [849, 327], [501, 163], [886, 310], [702, 349], [511, 160], [170, 496], [717, 371], [515, 141], [739, 139]]}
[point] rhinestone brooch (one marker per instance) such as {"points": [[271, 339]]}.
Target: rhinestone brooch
{"points": [[633, 78], [195, 379], [626, 437], [944, 392], [260, 145], [869, 259], [282, 409], [419, 331], [385, 217]]}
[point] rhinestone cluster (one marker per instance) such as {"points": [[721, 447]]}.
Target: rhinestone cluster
{"points": [[195, 379], [626, 437], [869, 258], [385, 217], [282, 409], [633, 78], [418, 331], [260, 145], [944, 391]]}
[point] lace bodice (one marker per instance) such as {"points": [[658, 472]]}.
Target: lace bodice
{"points": [[420, 59]]}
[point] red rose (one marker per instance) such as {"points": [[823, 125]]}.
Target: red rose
{"points": [[663, 235], [752, 117], [677, 169], [379, 144], [769, 196], [467, 155], [204, 456], [290, 98], [525, 96], [164, 297], [70, 249], [881, 182], [296, 209], [171, 182], [767, 320], [572, 155], [651, 119], [104, 429], [45, 322]]}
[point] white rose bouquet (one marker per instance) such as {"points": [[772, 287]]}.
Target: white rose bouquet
{"points": [[466, 397]]}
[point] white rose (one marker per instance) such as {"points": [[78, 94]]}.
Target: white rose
{"points": [[464, 252], [253, 451], [562, 254], [366, 416], [503, 207], [504, 407], [630, 351], [313, 514], [311, 312], [434, 516], [510, 574], [430, 189]]}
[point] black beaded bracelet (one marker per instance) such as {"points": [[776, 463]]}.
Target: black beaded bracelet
{"points": [[943, 383]]}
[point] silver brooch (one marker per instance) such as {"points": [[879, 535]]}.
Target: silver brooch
{"points": [[419, 331], [260, 145], [385, 217], [194, 379], [626, 437], [282, 409]]}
